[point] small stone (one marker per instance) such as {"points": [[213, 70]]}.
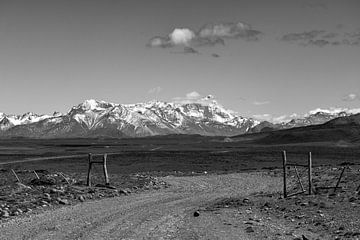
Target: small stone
{"points": [[47, 196], [352, 199], [22, 186], [15, 213], [123, 191], [54, 190], [248, 223], [304, 237], [249, 229], [196, 213], [5, 214], [63, 201]]}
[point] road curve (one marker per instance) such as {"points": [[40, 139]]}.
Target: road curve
{"points": [[161, 214]]}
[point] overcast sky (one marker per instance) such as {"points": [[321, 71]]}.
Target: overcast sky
{"points": [[255, 57]]}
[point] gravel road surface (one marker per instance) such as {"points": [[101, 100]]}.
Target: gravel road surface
{"points": [[160, 214]]}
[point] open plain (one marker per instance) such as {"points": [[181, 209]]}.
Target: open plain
{"points": [[174, 187]]}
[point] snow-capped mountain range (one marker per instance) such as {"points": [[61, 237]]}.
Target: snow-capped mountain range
{"points": [[103, 119]]}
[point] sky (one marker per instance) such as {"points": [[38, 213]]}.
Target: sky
{"points": [[259, 58]]}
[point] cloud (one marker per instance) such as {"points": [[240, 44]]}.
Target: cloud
{"points": [[195, 97], [304, 38], [263, 117], [208, 35], [155, 90], [351, 97], [228, 30], [283, 118], [159, 42], [321, 38], [270, 118], [258, 103], [181, 36]]}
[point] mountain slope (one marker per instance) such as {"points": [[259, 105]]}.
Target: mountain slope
{"points": [[103, 119], [342, 129], [98, 118]]}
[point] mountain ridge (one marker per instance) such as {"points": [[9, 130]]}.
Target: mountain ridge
{"points": [[94, 118]]}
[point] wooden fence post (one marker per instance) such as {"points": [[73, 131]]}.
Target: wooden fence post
{"points": [[310, 173], [284, 172], [17, 178], [89, 170], [37, 176], [338, 181], [105, 170]]}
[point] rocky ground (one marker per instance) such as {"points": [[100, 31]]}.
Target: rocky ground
{"points": [[209, 206], [52, 190], [323, 215]]}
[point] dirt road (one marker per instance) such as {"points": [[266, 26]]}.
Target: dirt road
{"points": [[162, 214]]}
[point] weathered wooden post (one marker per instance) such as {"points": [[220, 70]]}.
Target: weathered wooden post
{"points": [[103, 162], [37, 176], [299, 179], [338, 181], [105, 170], [66, 180], [310, 173], [89, 170], [284, 172], [17, 178]]}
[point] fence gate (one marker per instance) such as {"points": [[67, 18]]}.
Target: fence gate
{"points": [[295, 165]]}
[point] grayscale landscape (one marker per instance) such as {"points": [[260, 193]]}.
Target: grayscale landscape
{"points": [[180, 120]]}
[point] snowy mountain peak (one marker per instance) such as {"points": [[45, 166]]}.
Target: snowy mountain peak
{"points": [[92, 104], [57, 114], [334, 111], [94, 118]]}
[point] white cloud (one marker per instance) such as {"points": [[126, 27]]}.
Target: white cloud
{"points": [[155, 90], [193, 95], [209, 35], [181, 36], [263, 117], [283, 118], [228, 30], [159, 42], [258, 103], [351, 97]]}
